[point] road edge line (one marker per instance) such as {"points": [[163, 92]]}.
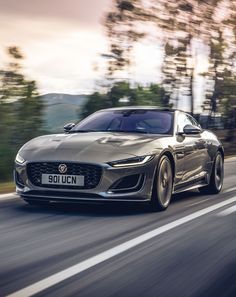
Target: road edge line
{"points": [[8, 196]]}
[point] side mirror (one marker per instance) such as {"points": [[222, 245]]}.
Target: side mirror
{"points": [[68, 127], [192, 130]]}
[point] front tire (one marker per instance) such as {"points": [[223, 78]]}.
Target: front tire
{"points": [[162, 186], [216, 180]]}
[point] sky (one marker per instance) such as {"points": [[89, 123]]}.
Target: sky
{"points": [[63, 41], [60, 40]]}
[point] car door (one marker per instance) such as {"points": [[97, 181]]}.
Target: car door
{"points": [[191, 149]]}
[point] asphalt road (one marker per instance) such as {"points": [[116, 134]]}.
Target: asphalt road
{"points": [[121, 250]]}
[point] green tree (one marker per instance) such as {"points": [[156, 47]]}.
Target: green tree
{"points": [[20, 111], [122, 94], [180, 26], [95, 102]]}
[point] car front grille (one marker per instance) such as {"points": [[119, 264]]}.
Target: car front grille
{"points": [[92, 173]]}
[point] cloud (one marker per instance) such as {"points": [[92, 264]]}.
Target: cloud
{"points": [[85, 12], [66, 63], [60, 50]]}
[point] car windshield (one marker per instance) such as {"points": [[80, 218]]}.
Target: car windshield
{"points": [[137, 121]]}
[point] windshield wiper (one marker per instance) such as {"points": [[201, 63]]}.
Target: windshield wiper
{"points": [[129, 131], [85, 131], [122, 131]]}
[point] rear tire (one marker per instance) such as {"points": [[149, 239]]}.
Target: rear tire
{"points": [[217, 176], [162, 185]]}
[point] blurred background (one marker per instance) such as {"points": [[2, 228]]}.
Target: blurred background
{"points": [[61, 61]]}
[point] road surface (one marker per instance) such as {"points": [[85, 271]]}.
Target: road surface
{"points": [[121, 250]]}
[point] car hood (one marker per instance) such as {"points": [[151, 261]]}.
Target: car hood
{"points": [[94, 147]]}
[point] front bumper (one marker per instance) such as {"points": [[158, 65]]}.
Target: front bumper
{"points": [[103, 192]]}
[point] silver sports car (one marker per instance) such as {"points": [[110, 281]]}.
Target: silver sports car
{"points": [[131, 154]]}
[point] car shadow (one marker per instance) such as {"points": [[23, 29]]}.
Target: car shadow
{"points": [[89, 209], [187, 195], [106, 209]]}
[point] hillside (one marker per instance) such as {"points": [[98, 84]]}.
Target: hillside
{"points": [[61, 109]]}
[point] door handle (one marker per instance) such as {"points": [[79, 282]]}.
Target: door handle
{"points": [[180, 155], [203, 142]]}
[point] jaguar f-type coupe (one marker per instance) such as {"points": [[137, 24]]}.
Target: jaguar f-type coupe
{"points": [[128, 154]]}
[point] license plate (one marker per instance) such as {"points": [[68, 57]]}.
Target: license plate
{"points": [[57, 179]]}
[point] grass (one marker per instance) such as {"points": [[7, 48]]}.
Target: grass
{"points": [[7, 187]]}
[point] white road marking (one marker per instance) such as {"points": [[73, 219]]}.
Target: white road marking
{"points": [[230, 190], [8, 196], [230, 159], [227, 211], [108, 254]]}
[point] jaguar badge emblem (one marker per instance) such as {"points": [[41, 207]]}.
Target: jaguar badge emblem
{"points": [[62, 168]]}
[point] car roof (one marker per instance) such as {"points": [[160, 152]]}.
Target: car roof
{"points": [[141, 108]]}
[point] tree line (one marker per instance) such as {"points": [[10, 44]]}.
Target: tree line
{"points": [[20, 111], [122, 93], [180, 27]]}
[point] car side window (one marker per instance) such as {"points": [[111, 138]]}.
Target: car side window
{"points": [[182, 121], [193, 121]]}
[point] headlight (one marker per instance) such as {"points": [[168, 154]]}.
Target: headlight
{"points": [[19, 159], [132, 161]]}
